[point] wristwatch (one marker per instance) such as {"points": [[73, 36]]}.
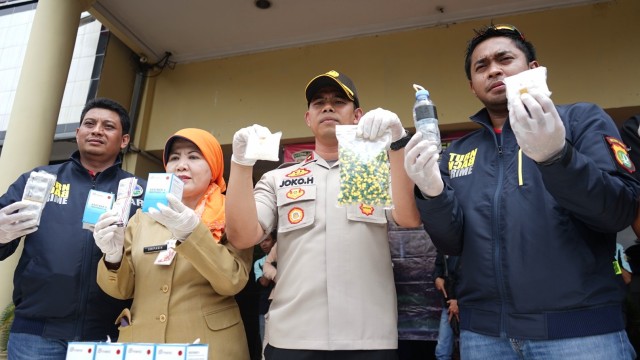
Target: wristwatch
{"points": [[400, 143]]}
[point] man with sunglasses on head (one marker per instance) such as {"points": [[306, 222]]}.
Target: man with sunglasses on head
{"points": [[532, 202]]}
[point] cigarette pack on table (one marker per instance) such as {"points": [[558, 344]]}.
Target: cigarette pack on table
{"points": [[158, 186], [98, 202], [81, 350], [109, 351], [36, 191]]}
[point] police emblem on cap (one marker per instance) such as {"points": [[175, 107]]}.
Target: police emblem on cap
{"points": [[332, 77]]}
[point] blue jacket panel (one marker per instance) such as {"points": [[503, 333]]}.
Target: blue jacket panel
{"points": [[537, 243], [55, 289]]}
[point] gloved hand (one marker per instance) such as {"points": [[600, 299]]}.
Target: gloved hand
{"points": [[176, 217], [540, 135], [375, 123], [16, 224], [421, 164], [239, 145], [109, 237]]}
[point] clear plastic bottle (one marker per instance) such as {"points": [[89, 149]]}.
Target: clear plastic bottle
{"points": [[425, 116]]}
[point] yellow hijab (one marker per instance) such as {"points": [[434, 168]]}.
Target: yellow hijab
{"points": [[210, 207]]}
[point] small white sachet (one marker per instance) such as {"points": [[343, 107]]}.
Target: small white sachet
{"points": [[263, 145], [524, 82]]}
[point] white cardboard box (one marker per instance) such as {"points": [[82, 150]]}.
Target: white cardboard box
{"points": [[138, 351], [81, 350], [158, 186], [109, 351], [98, 202]]}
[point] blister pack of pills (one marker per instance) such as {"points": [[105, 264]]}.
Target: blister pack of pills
{"points": [[36, 191], [123, 199]]}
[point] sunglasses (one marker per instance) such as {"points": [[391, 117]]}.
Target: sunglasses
{"points": [[506, 28]]}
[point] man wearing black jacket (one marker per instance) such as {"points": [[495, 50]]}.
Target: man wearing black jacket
{"points": [[55, 292], [531, 202]]}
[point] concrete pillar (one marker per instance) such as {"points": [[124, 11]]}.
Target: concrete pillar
{"points": [[37, 103]]}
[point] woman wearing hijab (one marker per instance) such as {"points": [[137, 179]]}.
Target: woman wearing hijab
{"points": [[185, 291]]}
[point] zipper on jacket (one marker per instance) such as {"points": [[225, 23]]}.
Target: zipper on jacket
{"points": [[520, 180], [495, 233]]}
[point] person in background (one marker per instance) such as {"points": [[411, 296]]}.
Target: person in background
{"points": [[445, 275], [413, 255], [630, 135], [632, 302], [55, 292], [335, 296], [624, 268], [531, 202], [266, 284], [269, 272], [184, 291]]}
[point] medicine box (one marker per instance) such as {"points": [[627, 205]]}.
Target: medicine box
{"points": [[182, 351], [80, 350], [109, 351], [135, 351], [98, 202], [158, 186], [139, 351]]}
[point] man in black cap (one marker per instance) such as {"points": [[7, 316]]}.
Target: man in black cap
{"points": [[335, 296]]}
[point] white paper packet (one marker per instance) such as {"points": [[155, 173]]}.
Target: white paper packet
{"points": [[263, 146], [524, 82]]}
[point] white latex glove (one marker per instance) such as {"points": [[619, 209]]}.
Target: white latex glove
{"points": [[176, 217], [16, 224], [540, 135], [421, 164], [109, 237], [239, 145], [375, 123]]}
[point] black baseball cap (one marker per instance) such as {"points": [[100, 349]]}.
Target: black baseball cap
{"points": [[332, 78]]}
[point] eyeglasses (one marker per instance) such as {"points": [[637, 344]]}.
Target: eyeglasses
{"points": [[508, 28]]}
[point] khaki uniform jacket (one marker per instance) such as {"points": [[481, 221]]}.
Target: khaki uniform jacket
{"points": [[191, 298], [335, 288]]}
